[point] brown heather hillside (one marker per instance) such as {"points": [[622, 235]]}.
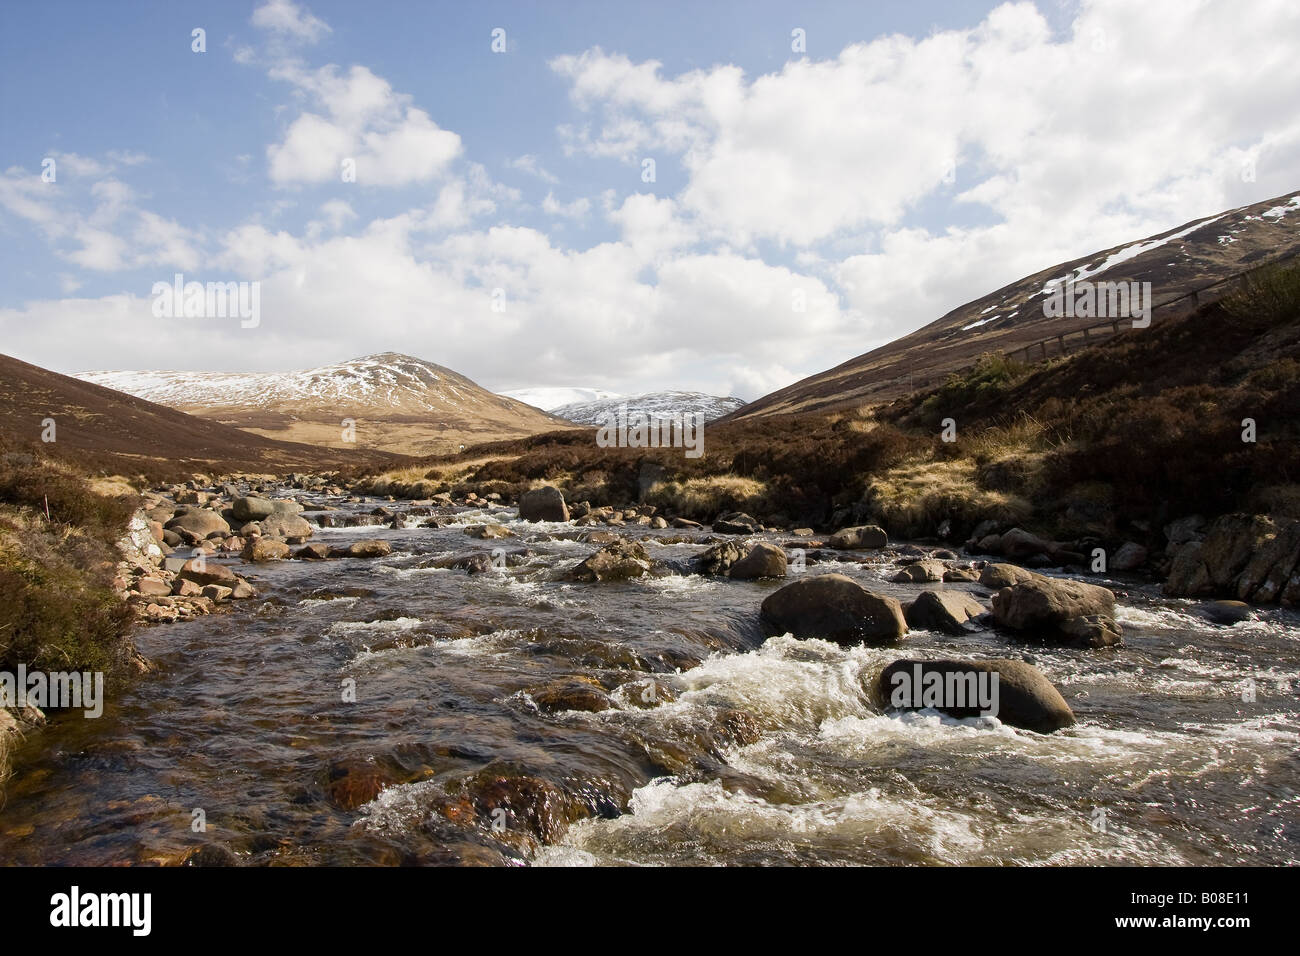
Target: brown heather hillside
{"points": [[108, 431], [1197, 255]]}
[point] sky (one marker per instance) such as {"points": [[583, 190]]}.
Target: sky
{"points": [[716, 196]]}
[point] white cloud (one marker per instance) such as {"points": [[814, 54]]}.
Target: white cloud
{"points": [[288, 19], [577, 209]]}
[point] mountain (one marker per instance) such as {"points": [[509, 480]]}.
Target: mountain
{"points": [[113, 430], [1194, 256], [399, 403], [550, 398], [655, 404]]}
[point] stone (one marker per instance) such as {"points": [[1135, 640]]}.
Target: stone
{"points": [[920, 573], [369, 548], [764, 560], [946, 611], [736, 522], [316, 551], [543, 504], [1129, 557], [252, 508], [216, 593], [1227, 612], [835, 608], [1025, 697], [265, 549], [863, 537], [619, 561], [998, 576], [199, 522], [285, 526], [209, 572]]}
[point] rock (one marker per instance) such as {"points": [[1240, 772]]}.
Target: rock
{"points": [[285, 526], [764, 560], [863, 537], [990, 544], [265, 549], [369, 548], [543, 504], [835, 608], [252, 508], [658, 522], [719, 558], [199, 522], [1212, 565], [998, 576], [945, 611], [1180, 532], [571, 694], [216, 593], [958, 575], [1025, 697], [644, 693], [1049, 609], [209, 572], [316, 551], [1018, 543], [615, 562], [242, 590], [920, 573], [184, 588], [736, 522], [1129, 557], [685, 523], [1265, 577], [355, 781], [489, 531], [1227, 612]]}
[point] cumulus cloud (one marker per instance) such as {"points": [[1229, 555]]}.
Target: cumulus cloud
{"points": [[288, 19]]}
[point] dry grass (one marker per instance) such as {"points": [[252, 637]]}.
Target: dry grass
{"points": [[913, 499], [703, 498]]}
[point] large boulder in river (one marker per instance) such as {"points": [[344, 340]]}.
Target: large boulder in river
{"points": [[618, 561], [543, 504], [199, 522], [920, 572], [202, 571], [1058, 610], [764, 560], [252, 508], [285, 526], [369, 548], [719, 558], [835, 608], [1021, 697], [736, 522], [946, 611], [265, 549], [998, 576], [1212, 565], [863, 537]]}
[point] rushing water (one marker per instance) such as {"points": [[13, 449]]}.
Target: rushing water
{"points": [[743, 752]]}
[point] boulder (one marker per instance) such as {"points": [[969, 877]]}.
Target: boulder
{"points": [[719, 558], [571, 694], [1050, 609], [946, 611], [1018, 543], [316, 551], [489, 531], [265, 549], [1180, 532], [863, 537], [835, 608], [252, 508], [285, 526], [216, 593], [543, 504], [369, 548], [200, 522], [736, 522], [920, 573], [1211, 566], [1024, 696], [619, 561], [998, 576], [764, 560], [1227, 612], [1129, 557], [207, 572]]}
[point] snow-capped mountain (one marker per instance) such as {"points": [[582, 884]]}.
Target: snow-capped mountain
{"points": [[655, 404], [398, 402], [550, 398]]}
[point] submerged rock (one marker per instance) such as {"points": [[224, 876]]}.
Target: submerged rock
{"points": [[619, 561]]}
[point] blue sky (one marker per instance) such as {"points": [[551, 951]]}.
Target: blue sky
{"points": [[916, 156]]}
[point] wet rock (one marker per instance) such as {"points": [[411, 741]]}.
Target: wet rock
{"points": [[1129, 557], [998, 576], [1227, 612], [242, 590], [921, 572], [1055, 610], [946, 611], [353, 782], [529, 803], [489, 531], [764, 560], [368, 548], [862, 538], [317, 551], [573, 693], [543, 504], [216, 593], [736, 522], [644, 693], [207, 572], [265, 549], [210, 854], [719, 558], [835, 608], [959, 575], [252, 508], [184, 588], [685, 523], [619, 561], [1025, 697], [286, 526]]}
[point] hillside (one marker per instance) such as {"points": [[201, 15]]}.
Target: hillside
{"points": [[1193, 256], [399, 403], [109, 429]]}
